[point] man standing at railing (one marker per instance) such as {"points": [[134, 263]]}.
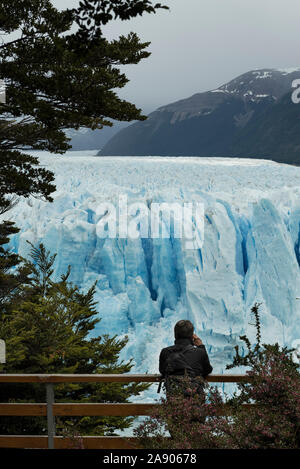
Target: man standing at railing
{"points": [[184, 365]]}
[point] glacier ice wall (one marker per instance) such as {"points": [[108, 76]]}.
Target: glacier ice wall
{"points": [[251, 249]]}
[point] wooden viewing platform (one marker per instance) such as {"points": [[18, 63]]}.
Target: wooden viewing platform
{"points": [[52, 409]]}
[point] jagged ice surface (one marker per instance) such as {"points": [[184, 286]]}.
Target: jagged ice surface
{"points": [[250, 251]]}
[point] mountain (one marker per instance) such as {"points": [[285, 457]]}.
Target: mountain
{"points": [[221, 122], [87, 139], [250, 248], [275, 134]]}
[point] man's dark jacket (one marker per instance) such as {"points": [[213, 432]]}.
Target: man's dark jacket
{"points": [[196, 357]]}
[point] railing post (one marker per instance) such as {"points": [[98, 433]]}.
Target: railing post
{"points": [[50, 416]]}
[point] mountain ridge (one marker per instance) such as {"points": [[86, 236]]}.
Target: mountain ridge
{"points": [[211, 123]]}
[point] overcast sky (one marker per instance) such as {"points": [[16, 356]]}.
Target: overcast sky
{"points": [[200, 44]]}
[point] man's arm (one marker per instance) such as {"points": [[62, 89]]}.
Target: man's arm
{"points": [[162, 362], [206, 366]]}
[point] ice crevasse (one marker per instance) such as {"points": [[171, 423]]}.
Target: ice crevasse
{"points": [[250, 251]]}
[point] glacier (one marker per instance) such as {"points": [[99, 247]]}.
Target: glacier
{"points": [[250, 252]]}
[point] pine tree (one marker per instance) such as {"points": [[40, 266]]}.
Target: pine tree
{"points": [[13, 274], [60, 72], [49, 332]]}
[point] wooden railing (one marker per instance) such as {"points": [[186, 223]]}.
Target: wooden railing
{"points": [[52, 409]]}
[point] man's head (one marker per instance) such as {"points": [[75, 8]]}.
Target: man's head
{"points": [[184, 329]]}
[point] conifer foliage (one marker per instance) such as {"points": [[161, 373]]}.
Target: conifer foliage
{"points": [[60, 72], [49, 331]]}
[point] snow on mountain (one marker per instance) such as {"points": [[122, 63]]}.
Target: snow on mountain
{"points": [[250, 251], [220, 122], [261, 83]]}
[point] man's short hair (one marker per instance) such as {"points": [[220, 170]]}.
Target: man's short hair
{"points": [[183, 329]]}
